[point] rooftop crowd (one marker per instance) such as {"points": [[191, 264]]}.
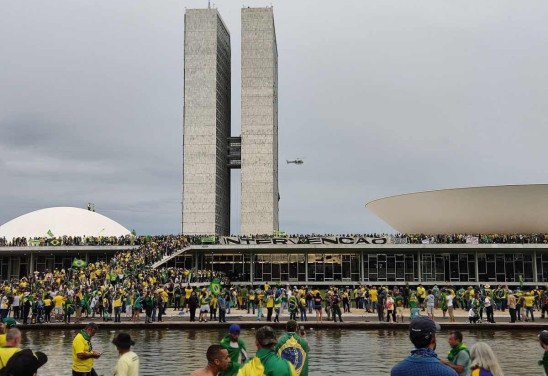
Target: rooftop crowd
{"points": [[173, 240]]}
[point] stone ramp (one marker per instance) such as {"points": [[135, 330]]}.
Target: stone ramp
{"points": [[170, 257]]}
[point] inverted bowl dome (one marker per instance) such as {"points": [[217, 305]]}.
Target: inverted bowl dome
{"points": [[507, 209]]}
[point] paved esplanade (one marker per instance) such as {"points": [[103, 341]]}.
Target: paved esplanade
{"points": [[356, 319]]}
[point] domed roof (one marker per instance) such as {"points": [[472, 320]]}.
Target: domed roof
{"points": [[61, 221], [506, 209]]}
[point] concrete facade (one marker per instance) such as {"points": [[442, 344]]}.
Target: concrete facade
{"points": [[259, 126], [206, 177]]}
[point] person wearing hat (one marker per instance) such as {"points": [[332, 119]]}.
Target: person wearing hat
{"points": [[236, 350], [128, 363], [266, 362], [217, 362], [423, 360], [293, 348], [25, 363]]}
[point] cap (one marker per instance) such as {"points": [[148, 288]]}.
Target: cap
{"points": [[543, 337], [423, 326], [123, 340], [25, 363], [234, 328], [266, 336], [10, 322]]}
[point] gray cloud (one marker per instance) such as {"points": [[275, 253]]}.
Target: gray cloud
{"points": [[379, 97]]}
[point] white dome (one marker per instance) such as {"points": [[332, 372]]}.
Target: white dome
{"points": [[61, 221]]}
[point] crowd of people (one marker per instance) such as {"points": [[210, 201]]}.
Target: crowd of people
{"points": [[126, 284], [471, 238], [128, 287], [131, 240], [423, 360], [73, 241], [284, 356], [287, 355]]}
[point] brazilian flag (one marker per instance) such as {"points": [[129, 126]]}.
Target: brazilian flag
{"points": [[208, 239], [215, 287], [77, 263]]}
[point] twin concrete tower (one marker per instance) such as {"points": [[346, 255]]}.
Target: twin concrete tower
{"points": [[209, 150]]}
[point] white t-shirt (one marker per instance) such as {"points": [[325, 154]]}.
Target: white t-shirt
{"points": [[128, 365], [449, 300]]}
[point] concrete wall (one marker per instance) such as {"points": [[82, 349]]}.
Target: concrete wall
{"points": [[206, 178], [259, 200]]}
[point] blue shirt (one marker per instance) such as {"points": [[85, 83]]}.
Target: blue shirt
{"points": [[421, 366]]}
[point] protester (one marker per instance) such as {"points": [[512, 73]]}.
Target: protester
{"points": [[217, 362], [511, 303], [82, 352], [294, 348], [459, 356], [483, 361], [423, 360], [24, 363], [430, 304], [3, 330], [13, 341], [543, 339], [223, 304], [193, 304], [317, 301], [128, 363], [335, 307], [266, 362], [236, 350]]}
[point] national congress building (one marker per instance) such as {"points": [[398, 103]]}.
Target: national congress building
{"points": [[209, 150]]}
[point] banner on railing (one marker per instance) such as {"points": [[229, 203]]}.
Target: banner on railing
{"points": [[344, 240], [472, 239]]}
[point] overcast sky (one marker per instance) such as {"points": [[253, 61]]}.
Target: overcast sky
{"points": [[378, 98]]}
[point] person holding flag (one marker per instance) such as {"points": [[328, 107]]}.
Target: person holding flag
{"points": [[204, 306], [215, 287]]}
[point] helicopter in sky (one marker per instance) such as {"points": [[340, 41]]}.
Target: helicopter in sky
{"points": [[298, 161]]}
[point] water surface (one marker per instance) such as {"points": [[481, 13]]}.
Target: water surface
{"points": [[351, 352]]}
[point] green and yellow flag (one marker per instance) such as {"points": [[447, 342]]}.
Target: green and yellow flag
{"points": [[50, 234], [77, 263], [208, 239], [215, 287]]}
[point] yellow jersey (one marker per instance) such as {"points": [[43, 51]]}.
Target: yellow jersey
{"points": [[6, 353], [80, 345], [59, 301]]}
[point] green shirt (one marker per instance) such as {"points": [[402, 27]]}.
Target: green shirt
{"points": [[234, 354], [267, 363], [544, 362]]}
